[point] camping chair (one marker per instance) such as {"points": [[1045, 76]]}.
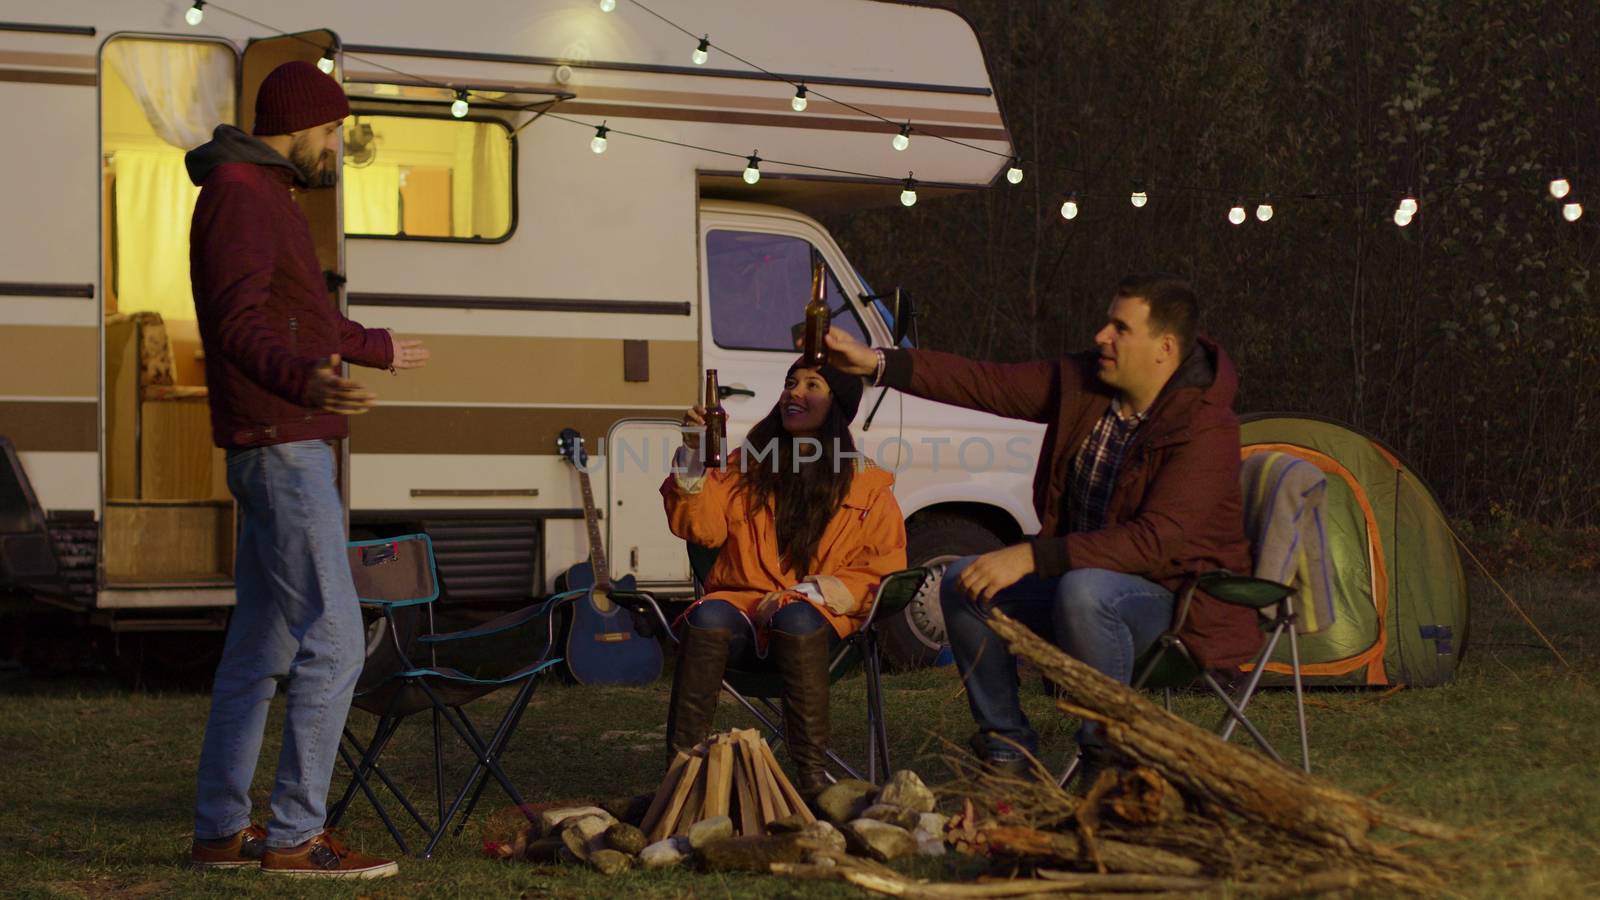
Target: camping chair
{"points": [[1283, 498], [411, 669], [763, 686]]}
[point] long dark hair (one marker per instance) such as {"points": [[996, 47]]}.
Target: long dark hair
{"points": [[804, 500]]}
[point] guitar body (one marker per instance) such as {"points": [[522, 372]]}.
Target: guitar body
{"points": [[604, 643]]}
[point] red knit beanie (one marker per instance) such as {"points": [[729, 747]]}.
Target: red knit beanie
{"points": [[297, 96]]}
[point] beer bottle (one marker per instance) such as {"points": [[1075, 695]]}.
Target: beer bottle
{"points": [[716, 439], [815, 352]]}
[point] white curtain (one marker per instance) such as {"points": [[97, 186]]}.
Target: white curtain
{"points": [[185, 89], [155, 201]]}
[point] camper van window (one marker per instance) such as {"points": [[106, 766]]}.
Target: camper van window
{"points": [[759, 285], [420, 178]]}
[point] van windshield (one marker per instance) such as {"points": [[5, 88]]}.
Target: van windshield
{"points": [[759, 284]]}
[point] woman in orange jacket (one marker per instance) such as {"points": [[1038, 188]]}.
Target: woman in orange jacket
{"points": [[807, 529]]}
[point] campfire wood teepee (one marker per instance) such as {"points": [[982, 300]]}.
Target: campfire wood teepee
{"points": [[732, 774]]}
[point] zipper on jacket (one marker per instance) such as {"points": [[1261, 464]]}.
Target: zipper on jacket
{"points": [[294, 347]]}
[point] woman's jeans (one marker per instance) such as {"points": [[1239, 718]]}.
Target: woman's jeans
{"points": [[1102, 618], [795, 618], [297, 623]]}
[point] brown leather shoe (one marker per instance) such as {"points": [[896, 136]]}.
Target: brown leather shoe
{"points": [[243, 849], [325, 856]]}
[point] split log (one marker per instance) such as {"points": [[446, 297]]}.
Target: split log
{"points": [[1018, 840], [1207, 767], [756, 853]]}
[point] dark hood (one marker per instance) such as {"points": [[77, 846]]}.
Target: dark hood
{"points": [[1207, 368], [231, 145]]}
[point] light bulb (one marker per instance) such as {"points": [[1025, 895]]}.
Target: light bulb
{"points": [[701, 53], [1014, 174], [459, 107], [799, 101], [195, 13], [1571, 211], [1401, 217], [1069, 209], [903, 139], [1409, 204], [1139, 198], [1264, 211], [1560, 187], [752, 172], [908, 195], [608, 5], [326, 62], [1236, 215], [598, 142]]}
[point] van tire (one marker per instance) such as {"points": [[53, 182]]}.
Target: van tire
{"points": [[915, 638]]}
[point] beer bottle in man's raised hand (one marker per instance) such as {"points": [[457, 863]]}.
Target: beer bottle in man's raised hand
{"points": [[716, 441], [815, 351]]}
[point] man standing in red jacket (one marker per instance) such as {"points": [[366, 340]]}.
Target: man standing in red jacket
{"points": [[1137, 487], [274, 343]]}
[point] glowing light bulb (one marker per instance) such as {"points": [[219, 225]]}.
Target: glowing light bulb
{"points": [[752, 172], [1236, 214], [1560, 187], [1069, 209], [608, 5], [903, 139], [459, 107], [1139, 199], [908, 194], [326, 62], [799, 101], [598, 142], [1571, 211], [702, 52], [1014, 174], [1401, 217], [1264, 210], [195, 13], [1409, 204]]}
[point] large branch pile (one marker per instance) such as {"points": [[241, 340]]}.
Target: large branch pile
{"points": [[1190, 804]]}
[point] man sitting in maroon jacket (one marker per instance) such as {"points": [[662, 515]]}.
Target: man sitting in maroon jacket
{"points": [[1137, 487], [273, 341]]}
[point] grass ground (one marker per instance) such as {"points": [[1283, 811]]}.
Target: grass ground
{"points": [[98, 779]]}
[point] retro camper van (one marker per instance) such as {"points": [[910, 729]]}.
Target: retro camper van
{"points": [[576, 246]]}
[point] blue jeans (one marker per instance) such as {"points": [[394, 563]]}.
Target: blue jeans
{"points": [[296, 622], [1103, 618], [796, 619]]}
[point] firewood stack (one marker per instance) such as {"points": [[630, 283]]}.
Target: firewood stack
{"points": [[732, 774]]}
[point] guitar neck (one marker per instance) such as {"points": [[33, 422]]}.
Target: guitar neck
{"points": [[597, 547]]}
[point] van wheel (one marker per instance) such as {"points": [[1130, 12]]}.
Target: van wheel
{"points": [[916, 638]]}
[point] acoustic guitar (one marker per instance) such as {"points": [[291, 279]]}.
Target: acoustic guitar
{"points": [[605, 644]]}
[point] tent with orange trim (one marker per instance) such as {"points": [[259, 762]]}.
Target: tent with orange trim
{"points": [[1400, 596]]}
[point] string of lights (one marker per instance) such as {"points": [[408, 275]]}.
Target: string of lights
{"points": [[1407, 207]]}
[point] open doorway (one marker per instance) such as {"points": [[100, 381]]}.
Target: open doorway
{"points": [[169, 517]]}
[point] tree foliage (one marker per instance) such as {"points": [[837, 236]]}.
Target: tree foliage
{"points": [[1466, 341]]}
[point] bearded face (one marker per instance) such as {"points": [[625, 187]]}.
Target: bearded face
{"points": [[310, 155]]}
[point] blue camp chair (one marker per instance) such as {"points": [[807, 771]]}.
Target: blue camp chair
{"points": [[758, 690], [411, 668]]}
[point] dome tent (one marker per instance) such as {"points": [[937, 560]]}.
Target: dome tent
{"points": [[1400, 593]]}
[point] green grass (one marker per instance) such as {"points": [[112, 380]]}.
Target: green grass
{"points": [[98, 780]]}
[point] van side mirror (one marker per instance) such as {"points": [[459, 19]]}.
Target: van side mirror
{"points": [[904, 312]]}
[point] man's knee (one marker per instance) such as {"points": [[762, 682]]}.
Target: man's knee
{"points": [[952, 598], [1085, 592]]}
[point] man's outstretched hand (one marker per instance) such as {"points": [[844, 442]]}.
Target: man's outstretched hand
{"points": [[995, 571], [409, 354], [334, 394], [847, 354]]}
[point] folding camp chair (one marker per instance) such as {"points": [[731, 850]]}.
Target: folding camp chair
{"points": [[412, 669], [764, 686]]}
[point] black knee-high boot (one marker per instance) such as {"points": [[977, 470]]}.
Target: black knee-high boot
{"points": [[803, 665], [702, 659]]}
